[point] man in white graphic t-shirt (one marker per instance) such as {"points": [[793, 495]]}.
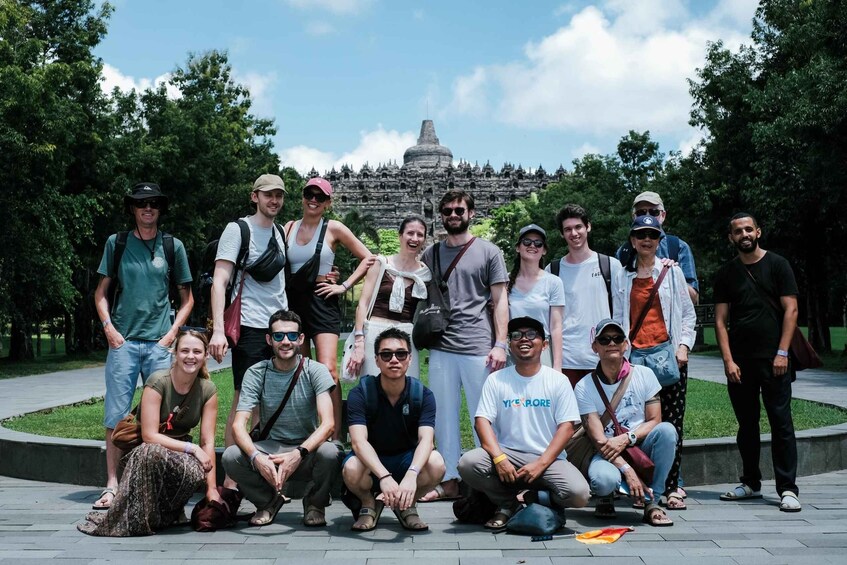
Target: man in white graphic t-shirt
{"points": [[589, 281], [524, 419]]}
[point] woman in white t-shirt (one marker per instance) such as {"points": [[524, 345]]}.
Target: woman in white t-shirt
{"points": [[536, 293]]}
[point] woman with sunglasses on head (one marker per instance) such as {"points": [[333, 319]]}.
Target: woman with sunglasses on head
{"points": [[165, 471], [312, 242], [390, 295], [535, 293], [655, 310]]}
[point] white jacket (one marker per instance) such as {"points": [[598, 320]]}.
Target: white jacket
{"points": [[677, 308]]}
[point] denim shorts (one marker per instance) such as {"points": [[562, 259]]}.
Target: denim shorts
{"points": [[397, 465], [123, 365]]}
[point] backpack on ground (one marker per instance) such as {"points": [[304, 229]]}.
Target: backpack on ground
{"points": [[605, 270], [115, 286]]}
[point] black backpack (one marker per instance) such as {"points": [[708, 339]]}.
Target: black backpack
{"points": [[115, 286], [605, 270], [411, 416]]}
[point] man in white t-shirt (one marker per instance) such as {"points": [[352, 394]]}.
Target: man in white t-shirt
{"points": [[639, 412], [589, 281], [263, 292], [524, 419]]}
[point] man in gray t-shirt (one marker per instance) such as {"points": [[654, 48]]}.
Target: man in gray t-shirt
{"points": [[475, 341], [296, 445]]}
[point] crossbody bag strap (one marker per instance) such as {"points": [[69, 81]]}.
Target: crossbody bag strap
{"points": [[180, 410], [761, 290], [616, 398], [634, 331], [456, 259], [267, 429]]}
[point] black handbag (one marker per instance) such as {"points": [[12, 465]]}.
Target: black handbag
{"points": [[433, 315]]}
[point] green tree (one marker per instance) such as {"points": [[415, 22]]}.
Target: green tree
{"points": [[51, 134]]}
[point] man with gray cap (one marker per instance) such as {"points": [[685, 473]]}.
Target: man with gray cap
{"points": [[670, 246], [251, 257], [138, 270], [526, 415]]}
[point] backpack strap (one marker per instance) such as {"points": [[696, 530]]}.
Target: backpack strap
{"points": [[120, 247], [555, 266], [606, 271], [673, 248], [241, 259], [368, 383]]}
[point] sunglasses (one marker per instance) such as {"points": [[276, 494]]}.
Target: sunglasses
{"points": [[644, 234], [141, 204], [652, 211], [401, 355], [607, 339], [315, 195], [197, 329], [527, 242], [279, 336], [529, 334], [459, 211]]}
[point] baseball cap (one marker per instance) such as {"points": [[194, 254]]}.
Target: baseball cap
{"points": [[646, 223], [322, 184], [532, 227], [526, 322], [606, 323], [649, 196], [268, 182]]}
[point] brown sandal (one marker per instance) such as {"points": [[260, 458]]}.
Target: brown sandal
{"points": [[410, 520], [656, 517]]}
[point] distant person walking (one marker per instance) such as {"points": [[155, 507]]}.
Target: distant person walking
{"points": [[755, 316], [132, 300]]}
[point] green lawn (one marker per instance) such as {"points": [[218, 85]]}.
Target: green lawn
{"points": [[48, 362], [708, 414], [834, 361]]}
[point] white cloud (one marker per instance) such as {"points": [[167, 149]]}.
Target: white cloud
{"points": [[585, 149], [260, 86], [613, 67], [333, 6], [319, 28], [375, 147], [690, 143], [112, 77]]}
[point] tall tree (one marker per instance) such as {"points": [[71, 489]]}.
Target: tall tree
{"points": [[51, 132]]}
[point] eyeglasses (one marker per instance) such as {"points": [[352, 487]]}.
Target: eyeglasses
{"points": [[652, 211], [527, 242], [315, 195], [644, 234], [279, 336], [400, 354], [153, 203], [529, 334], [607, 339], [459, 211]]}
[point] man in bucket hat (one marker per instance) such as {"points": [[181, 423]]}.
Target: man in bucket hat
{"points": [[137, 270]]}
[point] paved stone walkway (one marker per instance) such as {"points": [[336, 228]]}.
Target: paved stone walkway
{"points": [[37, 520]]}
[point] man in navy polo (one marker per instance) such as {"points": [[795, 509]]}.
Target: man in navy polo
{"points": [[392, 425]]}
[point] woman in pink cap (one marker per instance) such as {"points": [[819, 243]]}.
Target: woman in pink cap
{"points": [[312, 242]]}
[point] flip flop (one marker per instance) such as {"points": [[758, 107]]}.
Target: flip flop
{"points": [[107, 490], [410, 520], [268, 514], [653, 515], [789, 502], [741, 492], [366, 512], [442, 495]]}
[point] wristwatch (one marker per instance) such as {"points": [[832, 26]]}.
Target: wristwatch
{"points": [[303, 451], [633, 439]]}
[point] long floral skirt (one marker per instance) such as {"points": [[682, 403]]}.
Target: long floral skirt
{"points": [[154, 489]]}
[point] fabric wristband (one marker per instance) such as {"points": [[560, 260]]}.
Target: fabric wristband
{"points": [[189, 448], [625, 468], [502, 344], [253, 457], [499, 459], [345, 285], [414, 469], [106, 322], [780, 352]]}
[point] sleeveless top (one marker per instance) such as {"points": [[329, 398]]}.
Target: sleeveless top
{"points": [[383, 294], [299, 254]]}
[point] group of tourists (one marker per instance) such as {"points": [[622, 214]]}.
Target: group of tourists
{"points": [[587, 350]]}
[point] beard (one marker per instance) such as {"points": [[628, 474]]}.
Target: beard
{"points": [[747, 245], [455, 229]]}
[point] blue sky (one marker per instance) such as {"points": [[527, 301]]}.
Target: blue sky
{"points": [[349, 81]]}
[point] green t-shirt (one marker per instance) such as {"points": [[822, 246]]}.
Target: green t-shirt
{"points": [[143, 310], [160, 381]]}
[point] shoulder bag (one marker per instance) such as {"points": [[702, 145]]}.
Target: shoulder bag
{"points": [[803, 355], [661, 358], [641, 464], [433, 315], [258, 433], [580, 448]]}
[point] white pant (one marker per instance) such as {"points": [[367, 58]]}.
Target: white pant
{"points": [[449, 373]]}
